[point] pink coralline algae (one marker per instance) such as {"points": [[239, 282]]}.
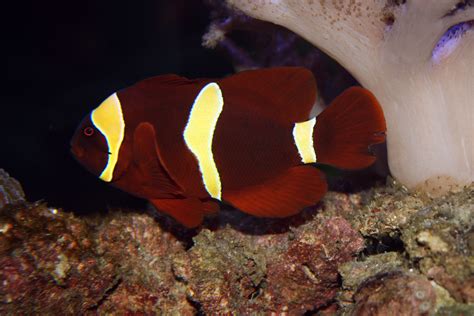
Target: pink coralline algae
{"points": [[48, 263], [53, 262], [286, 273], [397, 294], [305, 276], [144, 255]]}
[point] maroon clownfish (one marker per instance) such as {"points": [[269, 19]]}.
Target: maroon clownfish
{"points": [[247, 139]]}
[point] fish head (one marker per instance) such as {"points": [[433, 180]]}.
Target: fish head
{"points": [[100, 143]]}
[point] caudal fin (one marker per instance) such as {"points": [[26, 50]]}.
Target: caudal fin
{"points": [[347, 128]]}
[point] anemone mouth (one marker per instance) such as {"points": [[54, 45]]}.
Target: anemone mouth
{"points": [[450, 40]]}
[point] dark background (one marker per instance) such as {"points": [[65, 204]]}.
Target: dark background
{"points": [[62, 58]]}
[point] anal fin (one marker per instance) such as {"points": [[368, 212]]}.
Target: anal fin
{"points": [[188, 211], [282, 196]]}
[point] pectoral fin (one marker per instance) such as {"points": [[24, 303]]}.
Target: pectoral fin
{"points": [[147, 157]]}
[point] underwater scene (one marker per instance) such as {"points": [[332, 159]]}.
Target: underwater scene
{"points": [[238, 157]]}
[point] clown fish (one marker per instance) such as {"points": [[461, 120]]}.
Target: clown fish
{"points": [[247, 140]]}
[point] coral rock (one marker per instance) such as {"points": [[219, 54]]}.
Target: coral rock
{"points": [[305, 276], [144, 255], [47, 264], [370, 253], [397, 294], [438, 238], [355, 273], [11, 191], [293, 273]]}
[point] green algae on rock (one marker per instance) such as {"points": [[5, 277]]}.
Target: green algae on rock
{"points": [[438, 239], [354, 273], [426, 236]]}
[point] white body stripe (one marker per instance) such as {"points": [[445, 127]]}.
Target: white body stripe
{"points": [[108, 119], [199, 132], [303, 136]]}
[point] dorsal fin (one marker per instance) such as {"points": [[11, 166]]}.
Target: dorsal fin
{"points": [[284, 94], [165, 81]]}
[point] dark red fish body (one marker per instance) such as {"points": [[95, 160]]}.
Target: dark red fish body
{"points": [[247, 139]]}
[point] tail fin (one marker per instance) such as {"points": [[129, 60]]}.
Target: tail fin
{"points": [[345, 130]]}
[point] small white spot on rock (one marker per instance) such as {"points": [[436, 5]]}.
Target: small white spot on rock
{"points": [[5, 228], [434, 242], [62, 267], [53, 210]]}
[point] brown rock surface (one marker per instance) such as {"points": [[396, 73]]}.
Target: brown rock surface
{"points": [[285, 273], [375, 252], [397, 294], [48, 263], [11, 191]]}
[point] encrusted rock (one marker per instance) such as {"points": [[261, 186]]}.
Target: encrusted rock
{"points": [[416, 259], [144, 254], [456, 309], [48, 264], [434, 235], [355, 273], [438, 237], [395, 294], [292, 273], [11, 191], [305, 276]]}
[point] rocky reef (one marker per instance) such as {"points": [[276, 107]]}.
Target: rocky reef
{"points": [[383, 251]]}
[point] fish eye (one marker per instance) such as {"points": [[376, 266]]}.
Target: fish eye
{"points": [[88, 131]]}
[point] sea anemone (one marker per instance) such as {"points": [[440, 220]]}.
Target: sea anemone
{"points": [[417, 57]]}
